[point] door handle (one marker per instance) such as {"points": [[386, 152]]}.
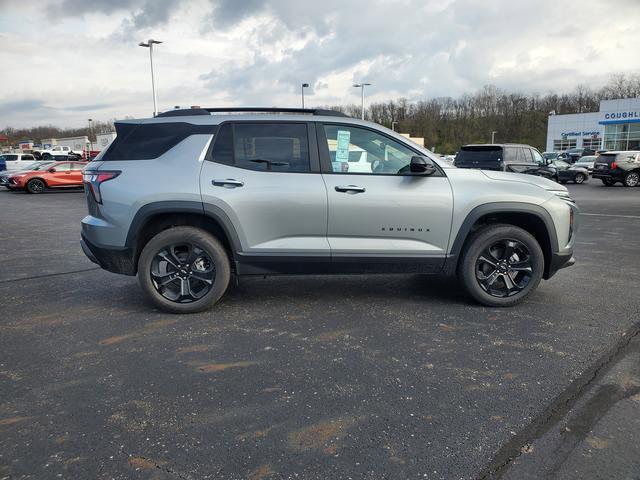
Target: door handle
{"points": [[350, 188], [227, 182]]}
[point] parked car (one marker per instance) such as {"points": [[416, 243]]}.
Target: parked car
{"points": [[53, 175], [574, 154], [17, 161], [187, 198], [510, 157], [586, 162], [550, 155], [623, 167], [569, 173], [37, 165]]}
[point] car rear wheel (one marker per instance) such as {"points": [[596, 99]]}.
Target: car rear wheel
{"points": [[46, 156], [35, 185], [184, 270], [579, 178], [502, 265], [632, 179]]}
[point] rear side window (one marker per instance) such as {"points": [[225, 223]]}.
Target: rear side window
{"points": [[480, 154], [277, 147], [146, 141]]}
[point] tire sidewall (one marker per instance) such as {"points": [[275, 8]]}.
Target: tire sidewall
{"points": [[202, 239], [482, 239], [579, 176]]}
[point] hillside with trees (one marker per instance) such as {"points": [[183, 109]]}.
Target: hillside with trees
{"points": [[446, 123]]}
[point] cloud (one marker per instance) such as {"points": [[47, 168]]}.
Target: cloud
{"points": [[258, 52]]}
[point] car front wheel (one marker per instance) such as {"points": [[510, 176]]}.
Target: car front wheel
{"points": [[184, 270], [502, 265], [35, 186], [579, 178]]}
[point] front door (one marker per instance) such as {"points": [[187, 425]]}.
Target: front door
{"points": [[382, 217], [264, 179]]}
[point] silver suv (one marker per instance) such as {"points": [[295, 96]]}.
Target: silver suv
{"points": [[190, 197]]}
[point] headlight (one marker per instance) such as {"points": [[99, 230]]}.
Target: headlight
{"points": [[563, 194]]}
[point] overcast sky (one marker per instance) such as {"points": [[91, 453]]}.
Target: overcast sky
{"points": [[64, 61]]}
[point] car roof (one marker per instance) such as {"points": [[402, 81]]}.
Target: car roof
{"points": [[496, 145]]}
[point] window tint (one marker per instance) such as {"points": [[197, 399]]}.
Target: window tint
{"points": [[510, 154], [357, 150], [145, 141], [277, 147], [62, 167], [27, 157], [223, 146], [11, 157]]}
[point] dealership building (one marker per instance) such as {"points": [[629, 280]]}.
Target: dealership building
{"points": [[615, 127]]}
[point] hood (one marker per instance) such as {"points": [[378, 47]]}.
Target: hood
{"points": [[524, 178]]}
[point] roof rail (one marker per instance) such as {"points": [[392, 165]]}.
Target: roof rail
{"points": [[207, 111]]}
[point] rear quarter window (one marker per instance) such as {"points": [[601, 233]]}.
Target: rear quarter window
{"points": [[136, 141]]}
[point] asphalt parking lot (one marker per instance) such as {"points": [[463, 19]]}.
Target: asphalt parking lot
{"points": [[317, 377]]}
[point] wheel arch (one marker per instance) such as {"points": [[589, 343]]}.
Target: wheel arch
{"points": [[156, 217], [531, 218], [46, 185]]}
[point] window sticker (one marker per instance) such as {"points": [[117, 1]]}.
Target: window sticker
{"points": [[342, 149]]}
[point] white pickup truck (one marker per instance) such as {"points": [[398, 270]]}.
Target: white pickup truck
{"points": [[56, 151]]}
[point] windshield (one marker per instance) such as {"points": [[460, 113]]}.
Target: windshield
{"points": [[588, 159], [549, 155]]}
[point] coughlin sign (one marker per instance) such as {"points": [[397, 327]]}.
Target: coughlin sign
{"points": [[622, 115]]}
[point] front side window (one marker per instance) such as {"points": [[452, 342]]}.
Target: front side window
{"points": [[537, 157], [63, 167], [358, 150], [267, 147], [27, 157]]}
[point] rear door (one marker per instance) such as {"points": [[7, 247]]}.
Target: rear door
{"points": [[264, 178], [61, 177], [12, 161], [384, 218]]}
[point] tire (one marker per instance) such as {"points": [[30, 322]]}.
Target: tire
{"points": [[631, 179], [35, 185], [46, 156], [607, 182], [579, 178], [168, 254], [485, 244]]}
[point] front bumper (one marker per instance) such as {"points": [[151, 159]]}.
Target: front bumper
{"points": [[559, 261], [113, 260]]}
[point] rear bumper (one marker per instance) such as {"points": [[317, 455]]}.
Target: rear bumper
{"points": [[559, 261], [114, 260]]}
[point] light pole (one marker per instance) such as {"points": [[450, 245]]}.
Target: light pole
{"points": [[393, 126], [361, 87], [149, 45], [304, 85], [493, 136], [90, 141]]}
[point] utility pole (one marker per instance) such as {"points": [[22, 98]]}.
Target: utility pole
{"points": [[493, 136], [149, 45], [393, 126], [90, 141], [361, 87], [304, 85]]}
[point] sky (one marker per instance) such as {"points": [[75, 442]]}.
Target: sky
{"points": [[64, 61]]}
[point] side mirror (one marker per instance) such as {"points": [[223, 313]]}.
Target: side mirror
{"points": [[422, 165], [52, 170]]}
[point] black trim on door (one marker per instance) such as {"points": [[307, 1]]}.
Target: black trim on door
{"points": [[314, 160]]}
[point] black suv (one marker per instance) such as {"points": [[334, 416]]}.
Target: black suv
{"points": [[508, 157], [623, 167]]}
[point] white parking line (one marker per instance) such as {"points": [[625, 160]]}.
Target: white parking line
{"points": [[608, 215]]}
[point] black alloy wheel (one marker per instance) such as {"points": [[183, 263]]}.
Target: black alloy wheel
{"points": [[182, 272], [35, 185], [504, 268]]}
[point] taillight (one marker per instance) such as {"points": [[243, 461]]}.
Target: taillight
{"points": [[94, 178], [614, 165]]}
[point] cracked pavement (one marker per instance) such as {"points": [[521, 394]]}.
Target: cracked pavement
{"points": [[316, 377]]}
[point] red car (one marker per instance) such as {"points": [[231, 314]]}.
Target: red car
{"points": [[47, 175]]}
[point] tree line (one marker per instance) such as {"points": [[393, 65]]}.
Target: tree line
{"points": [[446, 123]]}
